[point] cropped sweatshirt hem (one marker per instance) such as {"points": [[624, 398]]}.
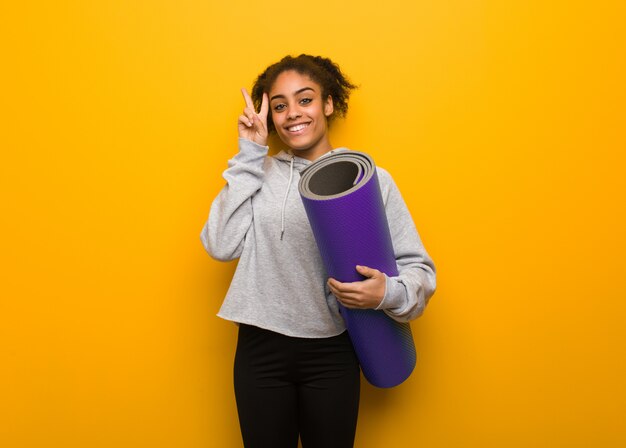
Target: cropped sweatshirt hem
{"points": [[284, 331]]}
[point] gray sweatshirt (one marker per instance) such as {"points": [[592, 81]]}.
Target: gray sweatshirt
{"points": [[280, 284]]}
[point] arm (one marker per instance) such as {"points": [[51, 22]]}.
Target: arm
{"points": [[231, 212], [230, 217], [404, 297]]}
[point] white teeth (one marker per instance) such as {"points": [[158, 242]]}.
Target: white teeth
{"points": [[297, 128]]}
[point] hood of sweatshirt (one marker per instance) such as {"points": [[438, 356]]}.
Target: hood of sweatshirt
{"points": [[297, 163]]}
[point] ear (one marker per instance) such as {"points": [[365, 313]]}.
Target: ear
{"points": [[328, 106]]}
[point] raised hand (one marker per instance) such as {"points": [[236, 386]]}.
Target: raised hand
{"points": [[364, 294], [253, 126]]}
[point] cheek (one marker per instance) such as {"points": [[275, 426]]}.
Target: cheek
{"points": [[277, 118]]}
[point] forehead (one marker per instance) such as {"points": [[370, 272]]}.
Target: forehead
{"points": [[290, 81]]}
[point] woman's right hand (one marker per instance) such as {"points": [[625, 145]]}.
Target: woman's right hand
{"points": [[253, 126]]}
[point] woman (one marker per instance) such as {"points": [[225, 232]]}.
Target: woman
{"points": [[296, 374]]}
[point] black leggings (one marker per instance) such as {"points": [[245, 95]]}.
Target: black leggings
{"points": [[288, 386]]}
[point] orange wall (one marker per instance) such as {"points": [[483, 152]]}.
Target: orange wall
{"points": [[502, 122]]}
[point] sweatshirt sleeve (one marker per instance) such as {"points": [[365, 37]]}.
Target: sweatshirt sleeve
{"points": [[230, 215], [406, 295]]}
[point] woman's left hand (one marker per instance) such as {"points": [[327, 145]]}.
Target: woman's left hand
{"points": [[364, 294]]}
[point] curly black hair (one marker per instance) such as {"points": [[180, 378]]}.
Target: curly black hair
{"points": [[322, 70]]}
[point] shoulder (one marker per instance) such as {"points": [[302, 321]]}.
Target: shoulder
{"points": [[387, 184], [384, 175]]}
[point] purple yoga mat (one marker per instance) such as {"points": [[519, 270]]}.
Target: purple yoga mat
{"points": [[342, 199]]}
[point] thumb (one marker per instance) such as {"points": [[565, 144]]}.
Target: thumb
{"points": [[367, 272]]}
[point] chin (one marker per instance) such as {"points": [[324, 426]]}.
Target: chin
{"points": [[297, 145], [300, 146]]}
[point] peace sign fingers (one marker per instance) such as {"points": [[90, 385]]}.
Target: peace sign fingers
{"points": [[253, 126]]}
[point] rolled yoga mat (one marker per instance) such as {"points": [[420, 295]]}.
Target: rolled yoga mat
{"points": [[343, 202]]}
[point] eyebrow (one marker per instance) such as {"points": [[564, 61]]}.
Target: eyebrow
{"points": [[295, 93]]}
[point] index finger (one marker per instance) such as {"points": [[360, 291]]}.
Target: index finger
{"points": [[247, 98], [264, 106], [341, 287]]}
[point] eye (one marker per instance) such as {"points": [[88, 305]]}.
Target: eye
{"points": [[306, 100], [279, 107]]}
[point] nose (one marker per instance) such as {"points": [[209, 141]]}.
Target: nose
{"points": [[293, 113]]}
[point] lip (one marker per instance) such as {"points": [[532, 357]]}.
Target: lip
{"points": [[300, 127]]}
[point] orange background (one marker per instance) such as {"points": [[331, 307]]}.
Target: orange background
{"points": [[503, 124]]}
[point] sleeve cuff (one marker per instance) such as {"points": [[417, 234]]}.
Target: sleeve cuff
{"points": [[251, 146], [395, 295]]}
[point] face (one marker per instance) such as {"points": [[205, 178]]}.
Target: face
{"points": [[300, 114]]}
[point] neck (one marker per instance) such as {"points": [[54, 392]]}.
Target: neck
{"points": [[314, 152]]}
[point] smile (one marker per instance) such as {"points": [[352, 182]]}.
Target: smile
{"points": [[298, 127]]}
